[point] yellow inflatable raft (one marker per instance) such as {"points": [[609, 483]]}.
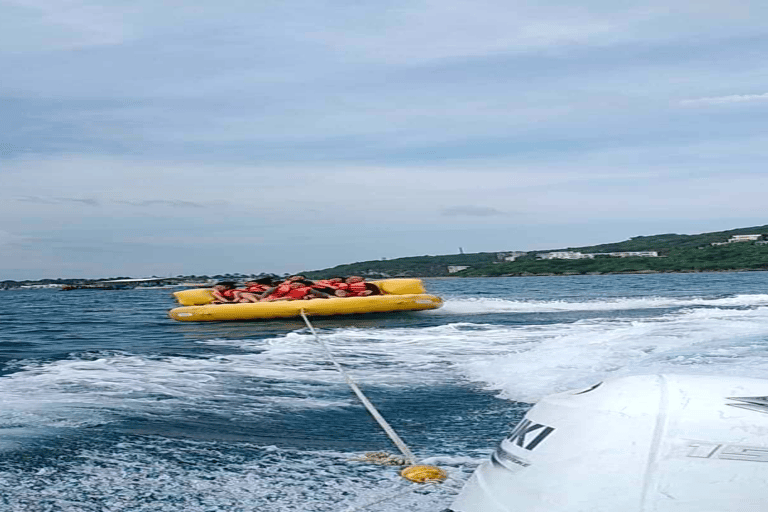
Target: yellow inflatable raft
{"points": [[397, 295]]}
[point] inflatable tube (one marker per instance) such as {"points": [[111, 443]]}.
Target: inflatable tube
{"points": [[398, 295], [661, 443]]}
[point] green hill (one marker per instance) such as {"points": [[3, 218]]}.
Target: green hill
{"points": [[677, 253], [672, 241], [413, 266]]}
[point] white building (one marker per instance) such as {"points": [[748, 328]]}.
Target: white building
{"points": [[564, 255], [745, 238], [631, 254], [570, 255], [452, 269], [510, 256], [740, 238]]}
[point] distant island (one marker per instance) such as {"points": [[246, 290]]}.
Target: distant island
{"points": [[734, 250]]}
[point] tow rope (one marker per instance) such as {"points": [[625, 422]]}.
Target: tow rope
{"points": [[414, 473]]}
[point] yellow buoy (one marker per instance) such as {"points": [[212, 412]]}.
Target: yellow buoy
{"points": [[424, 474]]}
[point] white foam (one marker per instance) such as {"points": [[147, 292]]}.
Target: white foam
{"points": [[487, 305], [562, 357], [80, 392], [527, 362], [151, 474], [521, 362]]}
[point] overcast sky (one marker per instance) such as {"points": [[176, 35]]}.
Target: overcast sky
{"points": [[144, 138]]}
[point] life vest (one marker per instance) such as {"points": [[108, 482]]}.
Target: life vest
{"points": [[229, 294], [298, 293], [280, 292], [283, 289], [327, 286], [257, 288], [355, 289]]}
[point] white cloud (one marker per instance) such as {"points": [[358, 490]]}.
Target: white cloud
{"points": [[471, 211], [164, 202], [149, 126], [41, 25], [721, 100], [58, 200], [7, 238]]}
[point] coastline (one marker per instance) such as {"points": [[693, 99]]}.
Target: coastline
{"points": [[550, 274], [46, 284]]}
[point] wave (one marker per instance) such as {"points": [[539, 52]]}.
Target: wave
{"points": [[562, 357], [527, 362], [157, 474], [290, 372], [455, 306], [95, 388]]}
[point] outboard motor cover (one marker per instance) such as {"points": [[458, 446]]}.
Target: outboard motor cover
{"points": [[650, 443]]}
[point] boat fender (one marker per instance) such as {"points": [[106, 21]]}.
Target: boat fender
{"points": [[422, 474]]}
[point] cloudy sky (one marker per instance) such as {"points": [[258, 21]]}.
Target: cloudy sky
{"points": [[146, 138]]}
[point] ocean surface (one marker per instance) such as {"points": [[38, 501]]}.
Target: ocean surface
{"points": [[108, 405]]}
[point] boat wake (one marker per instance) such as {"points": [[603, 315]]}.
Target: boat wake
{"points": [[479, 306]]}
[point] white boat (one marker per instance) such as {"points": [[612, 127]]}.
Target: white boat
{"points": [[651, 443]]}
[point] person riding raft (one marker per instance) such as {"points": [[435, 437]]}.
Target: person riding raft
{"points": [[293, 288], [225, 293]]}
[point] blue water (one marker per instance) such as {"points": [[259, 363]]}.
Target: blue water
{"points": [[108, 405]]}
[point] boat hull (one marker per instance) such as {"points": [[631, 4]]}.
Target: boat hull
{"points": [[661, 443]]}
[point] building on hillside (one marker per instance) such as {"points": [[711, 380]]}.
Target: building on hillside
{"points": [[739, 238], [452, 269], [509, 256], [563, 255], [630, 254], [571, 255], [745, 238]]}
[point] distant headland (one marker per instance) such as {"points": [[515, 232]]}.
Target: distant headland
{"points": [[740, 249], [732, 250]]}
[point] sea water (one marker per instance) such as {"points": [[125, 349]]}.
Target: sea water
{"points": [[108, 405]]}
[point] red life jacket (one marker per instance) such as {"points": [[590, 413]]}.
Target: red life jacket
{"points": [[229, 294], [257, 288], [282, 289], [355, 289], [280, 292], [298, 293], [327, 286]]}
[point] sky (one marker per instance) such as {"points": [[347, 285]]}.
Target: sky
{"points": [[142, 138]]}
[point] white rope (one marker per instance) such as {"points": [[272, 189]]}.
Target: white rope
{"points": [[368, 405]]}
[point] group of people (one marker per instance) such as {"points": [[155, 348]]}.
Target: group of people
{"points": [[268, 289]]}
